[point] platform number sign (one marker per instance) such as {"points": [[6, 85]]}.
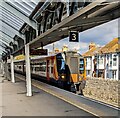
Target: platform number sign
{"points": [[74, 36]]}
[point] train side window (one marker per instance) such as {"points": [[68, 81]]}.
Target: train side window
{"points": [[51, 69], [37, 68], [19, 67]]}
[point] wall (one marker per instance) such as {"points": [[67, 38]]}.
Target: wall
{"points": [[103, 90]]}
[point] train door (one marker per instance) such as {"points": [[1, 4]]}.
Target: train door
{"points": [[47, 70], [74, 66]]}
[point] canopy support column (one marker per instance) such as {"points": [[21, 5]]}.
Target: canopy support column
{"points": [[28, 73], [12, 69]]}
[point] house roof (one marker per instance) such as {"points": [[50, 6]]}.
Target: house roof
{"points": [[111, 47], [91, 52]]}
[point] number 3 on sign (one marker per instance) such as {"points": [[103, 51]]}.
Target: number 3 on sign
{"points": [[74, 36]]}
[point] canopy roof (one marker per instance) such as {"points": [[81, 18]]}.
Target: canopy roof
{"points": [[10, 23]]}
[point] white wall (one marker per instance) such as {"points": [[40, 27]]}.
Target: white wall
{"points": [[104, 63], [89, 66], [111, 68]]}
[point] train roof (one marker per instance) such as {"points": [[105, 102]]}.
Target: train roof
{"points": [[47, 56], [44, 56]]}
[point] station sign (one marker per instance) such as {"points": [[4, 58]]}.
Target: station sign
{"points": [[73, 36], [38, 52]]}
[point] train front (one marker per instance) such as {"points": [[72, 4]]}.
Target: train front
{"points": [[69, 70]]}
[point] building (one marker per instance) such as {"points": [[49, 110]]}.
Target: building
{"points": [[90, 59], [64, 48], [104, 62]]}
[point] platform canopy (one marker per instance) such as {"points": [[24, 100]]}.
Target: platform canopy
{"points": [[13, 14], [41, 22]]}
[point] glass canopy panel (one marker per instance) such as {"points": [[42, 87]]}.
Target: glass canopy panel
{"points": [[10, 19], [24, 6], [7, 18]]}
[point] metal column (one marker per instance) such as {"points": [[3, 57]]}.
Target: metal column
{"points": [[12, 69], [28, 73], [67, 7], [2, 68]]}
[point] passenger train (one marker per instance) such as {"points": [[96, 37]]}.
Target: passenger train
{"points": [[66, 69]]}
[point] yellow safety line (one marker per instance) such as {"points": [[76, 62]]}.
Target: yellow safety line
{"points": [[63, 99]]}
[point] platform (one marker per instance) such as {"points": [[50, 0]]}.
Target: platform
{"points": [[15, 102], [48, 100]]}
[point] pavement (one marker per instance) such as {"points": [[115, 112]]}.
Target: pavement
{"points": [[47, 100], [15, 103]]}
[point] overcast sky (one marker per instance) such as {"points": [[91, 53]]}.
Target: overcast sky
{"points": [[101, 35]]}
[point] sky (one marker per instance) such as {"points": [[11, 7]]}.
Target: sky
{"points": [[100, 35]]}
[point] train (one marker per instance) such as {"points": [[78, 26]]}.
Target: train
{"points": [[66, 70]]}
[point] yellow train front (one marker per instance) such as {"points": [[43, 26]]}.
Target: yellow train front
{"points": [[64, 69]]}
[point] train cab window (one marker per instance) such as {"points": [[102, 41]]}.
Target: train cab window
{"points": [[81, 68], [60, 63]]}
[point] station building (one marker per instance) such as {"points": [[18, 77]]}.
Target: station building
{"points": [[103, 62]]}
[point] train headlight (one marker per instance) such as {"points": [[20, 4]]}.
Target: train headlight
{"points": [[63, 77]]}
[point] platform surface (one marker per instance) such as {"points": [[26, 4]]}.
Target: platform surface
{"points": [[15, 103], [47, 100]]}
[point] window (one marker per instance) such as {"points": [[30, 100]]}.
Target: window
{"points": [[114, 74], [19, 67], [51, 69], [110, 63], [101, 61], [110, 56], [60, 63], [114, 61], [81, 69], [110, 60], [88, 72], [107, 57], [37, 69]]}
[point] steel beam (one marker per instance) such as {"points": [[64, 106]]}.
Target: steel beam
{"points": [[45, 23], [76, 18], [17, 13], [61, 12], [20, 41], [43, 7]]}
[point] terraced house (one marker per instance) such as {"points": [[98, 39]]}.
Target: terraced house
{"points": [[103, 62]]}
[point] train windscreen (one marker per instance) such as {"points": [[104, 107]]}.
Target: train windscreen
{"points": [[60, 63], [81, 69]]}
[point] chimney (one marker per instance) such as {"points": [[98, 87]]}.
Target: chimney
{"points": [[92, 45], [64, 48]]}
